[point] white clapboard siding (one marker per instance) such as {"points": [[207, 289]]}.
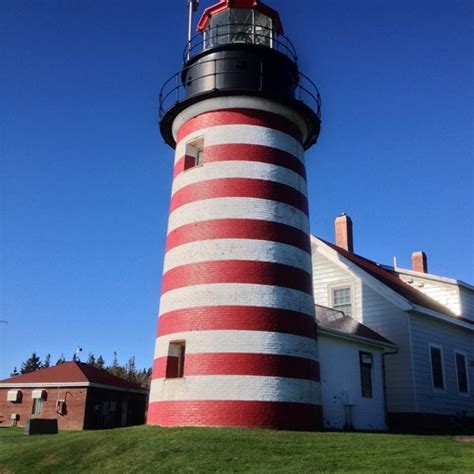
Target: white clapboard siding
{"points": [[379, 314], [391, 322], [340, 384], [444, 293], [426, 331], [467, 303], [327, 275]]}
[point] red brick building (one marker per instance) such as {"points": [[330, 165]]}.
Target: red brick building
{"points": [[78, 395]]}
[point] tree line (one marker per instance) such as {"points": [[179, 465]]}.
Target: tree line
{"points": [[127, 371]]}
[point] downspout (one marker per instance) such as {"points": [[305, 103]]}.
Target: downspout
{"points": [[385, 382]]}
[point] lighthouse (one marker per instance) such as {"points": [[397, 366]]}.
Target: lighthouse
{"points": [[236, 342]]}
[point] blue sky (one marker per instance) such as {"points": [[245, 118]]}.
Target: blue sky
{"points": [[86, 177]]}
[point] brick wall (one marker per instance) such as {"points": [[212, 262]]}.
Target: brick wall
{"points": [[73, 419]]}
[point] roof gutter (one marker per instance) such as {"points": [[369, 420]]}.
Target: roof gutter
{"points": [[442, 317], [353, 337]]}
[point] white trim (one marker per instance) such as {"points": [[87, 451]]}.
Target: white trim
{"points": [[240, 102], [40, 385], [466, 368], [70, 384], [440, 348], [342, 285], [430, 276], [354, 338]]}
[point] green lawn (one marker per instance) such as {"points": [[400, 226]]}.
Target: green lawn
{"points": [[229, 450]]}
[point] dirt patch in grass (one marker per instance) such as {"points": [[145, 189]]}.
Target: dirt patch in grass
{"points": [[465, 439]]}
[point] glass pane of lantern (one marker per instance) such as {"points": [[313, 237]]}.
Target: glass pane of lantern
{"points": [[263, 29], [241, 28], [219, 30]]}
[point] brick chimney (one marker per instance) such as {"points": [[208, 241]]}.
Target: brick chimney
{"points": [[343, 231], [419, 262]]}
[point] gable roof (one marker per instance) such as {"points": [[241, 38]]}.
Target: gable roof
{"points": [[392, 281], [71, 373], [332, 319]]}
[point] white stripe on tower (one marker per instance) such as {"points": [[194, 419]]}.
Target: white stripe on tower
{"points": [[238, 208], [241, 294], [253, 342], [237, 249], [262, 389], [241, 169]]}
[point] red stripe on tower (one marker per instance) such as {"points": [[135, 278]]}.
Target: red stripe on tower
{"points": [[244, 414]]}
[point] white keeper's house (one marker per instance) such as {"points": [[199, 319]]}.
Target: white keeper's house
{"points": [[420, 345]]}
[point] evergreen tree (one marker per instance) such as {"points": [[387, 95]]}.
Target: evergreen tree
{"points": [[15, 372], [100, 362], [131, 370], [115, 368], [47, 361], [31, 365], [91, 359]]}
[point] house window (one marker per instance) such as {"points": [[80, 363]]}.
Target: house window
{"points": [[461, 371], [341, 300], [175, 362], [37, 406], [194, 154], [436, 356], [366, 361]]}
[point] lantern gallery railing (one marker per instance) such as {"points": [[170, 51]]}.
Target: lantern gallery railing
{"points": [[175, 90], [239, 33]]}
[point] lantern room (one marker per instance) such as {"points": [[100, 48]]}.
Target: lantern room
{"points": [[239, 21]]}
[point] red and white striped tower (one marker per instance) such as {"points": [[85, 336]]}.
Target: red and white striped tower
{"points": [[236, 341]]}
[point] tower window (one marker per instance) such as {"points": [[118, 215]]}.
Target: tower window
{"points": [[175, 362], [366, 362], [342, 299], [194, 154], [436, 357]]}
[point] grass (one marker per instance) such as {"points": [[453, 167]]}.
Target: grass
{"points": [[152, 449]]}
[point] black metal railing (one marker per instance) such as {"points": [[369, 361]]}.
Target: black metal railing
{"points": [[239, 33], [175, 90]]}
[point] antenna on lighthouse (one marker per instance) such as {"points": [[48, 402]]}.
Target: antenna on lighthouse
{"points": [[193, 6]]}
